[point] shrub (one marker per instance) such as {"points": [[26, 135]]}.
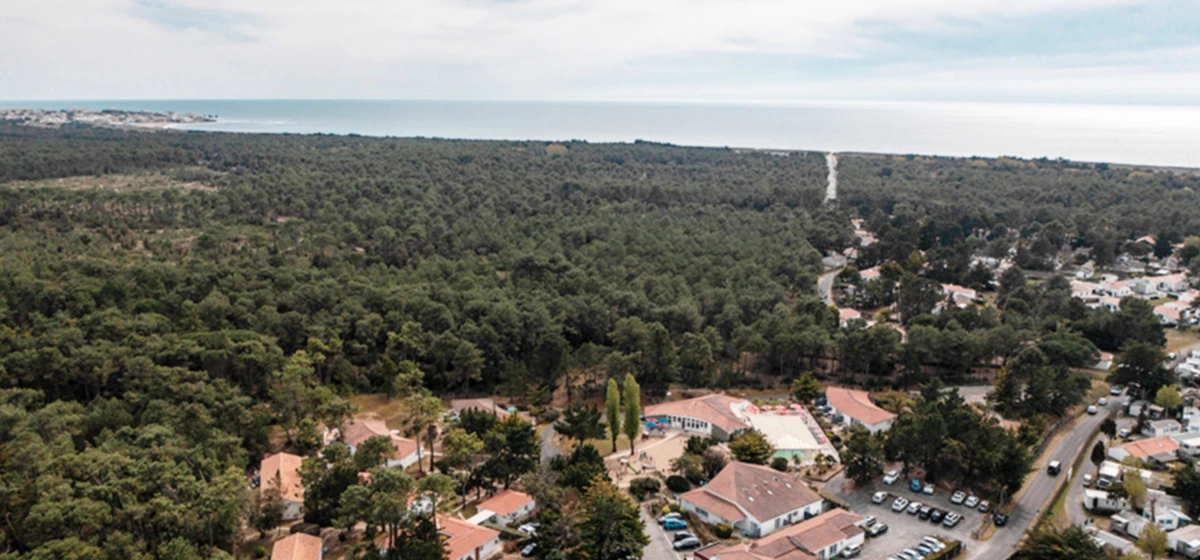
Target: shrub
{"points": [[549, 415], [678, 484], [780, 464], [723, 530], [260, 551], [642, 487]]}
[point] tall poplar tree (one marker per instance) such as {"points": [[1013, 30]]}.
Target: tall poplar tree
{"points": [[612, 408], [633, 411]]}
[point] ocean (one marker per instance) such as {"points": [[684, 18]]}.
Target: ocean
{"points": [[1131, 134]]}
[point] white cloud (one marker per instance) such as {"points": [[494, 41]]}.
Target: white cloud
{"points": [[545, 49]]}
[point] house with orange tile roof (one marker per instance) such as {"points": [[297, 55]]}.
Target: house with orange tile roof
{"points": [[712, 415], [465, 541], [357, 431], [854, 407], [754, 499], [845, 315], [507, 506], [284, 469], [298, 546], [819, 538], [1154, 450]]}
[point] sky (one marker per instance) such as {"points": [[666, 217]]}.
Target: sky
{"points": [[1026, 51]]}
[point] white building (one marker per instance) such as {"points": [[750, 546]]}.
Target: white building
{"points": [[284, 469], [1160, 428], [1101, 502], [507, 507], [820, 538], [357, 431], [852, 407], [715, 415], [1185, 542], [754, 499]]}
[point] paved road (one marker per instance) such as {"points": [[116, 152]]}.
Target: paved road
{"points": [[660, 542], [550, 449], [825, 286], [1039, 488]]}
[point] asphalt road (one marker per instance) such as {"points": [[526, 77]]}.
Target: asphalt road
{"points": [[660, 547], [550, 449], [825, 286], [1039, 488]]}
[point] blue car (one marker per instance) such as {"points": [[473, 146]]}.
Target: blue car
{"points": [[674, 524], [915, 485]]}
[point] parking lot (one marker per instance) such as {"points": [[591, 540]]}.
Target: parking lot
{"points": [[904, 529]]}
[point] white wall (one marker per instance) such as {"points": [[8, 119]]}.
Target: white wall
{"points": [[795, 516], [834, 548]]}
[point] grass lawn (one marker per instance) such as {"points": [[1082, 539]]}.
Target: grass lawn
{"points": [[604, 446], [1178, 340], [392, 411]]}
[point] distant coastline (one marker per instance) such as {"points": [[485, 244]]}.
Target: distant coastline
{"points": [[1137, 135], [55, 118]]}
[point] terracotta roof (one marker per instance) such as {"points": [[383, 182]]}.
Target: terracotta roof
{"points": [[463, 537], [716, 409], [869, 273], [713, 504], [485, 404], [359, 431], [846, 314], [1149, 447], [811, 535], [506, 502], [287, 467], [297, 546], [857, 405], [1167, 311], [760, 491]]}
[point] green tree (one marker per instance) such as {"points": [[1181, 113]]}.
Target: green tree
{"points": [[424, 413], [632, 422], [268, 507], [612, 407], [1153, 541], [460, 447], [514, 447], [1141, 365], [1098, 453], [440, 489], [580, 423], [751, 446], [1168, 398], [1186, 485], [1070, 544], [612, 528], [580, 468], [806, 388], [373, 452], [863, 456], [689, 466], [1108, 427], [714, 461]]}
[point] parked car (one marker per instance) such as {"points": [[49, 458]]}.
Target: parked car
{"points": [[1115, 391], [891, 477], [951, 519], [958, 497], [877, 529], [1092, 409], [936, 515], [1000, 519], [971, 502], [925, 512], [683, 535], [1123, 432], [528, 550], [1087, 480], [899, 504], [913, 508], [931, 541], [687, 544], [529, 529], [663, 518], [1102, 402], [1054, 468], [984, 506], [674, 524], [928, 490], [851, 551], [915, 485], [878, 497]]}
